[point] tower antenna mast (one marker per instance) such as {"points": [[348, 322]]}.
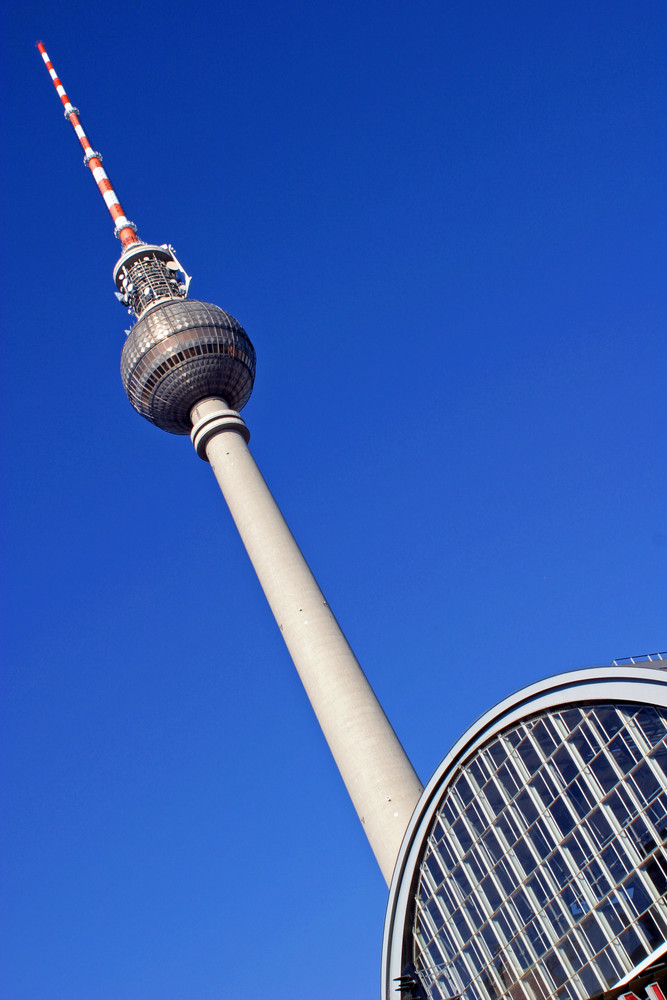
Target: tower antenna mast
{"points": [[126, 231]]}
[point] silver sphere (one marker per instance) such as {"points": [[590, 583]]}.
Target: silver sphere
{"points": [[180, 352]]}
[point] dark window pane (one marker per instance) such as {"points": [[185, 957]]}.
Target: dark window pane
{"points": [[637, 894], [539, 841], [435, 953], [574, 950], [555, 967], [461, 879], [449, 899], [502, 925], [580, 798], [462, 835], [609, 966], [594, 933], [436, 871], [657, 813], [489, 889], [559, 868], [544, 786], [571, 717], [496, 751], [448, 812], [609, 721], [557, 918], [609, 909], [508, 781], [585, 843], [461, 926], [654, 934], [515, 736], [590, 981], [586, 741], [634, 947], [566, 765], [470, 954], [465, 792], [435, 913], [652, 725], [545, 737], [439, 830], [641, 837], [478, 772], [522, 955], [490, 938], [529, 755], [537, 937], [579, 742], [475, 871], [562, 816], [604, 772], [619, 805], [572, 846], [536, 886], [489, 985], [656, 875], [506, 877], [622, 907], [574, 900], [660, 919], [597, 880], [621, 754], [473, 913], [645, 781], [659, 755], [476, 819], [448, 856], [494, 796], [523, 905], [525, 857], [616, 863], [526, 806], [506, 825], [492, 845], [599, 826]]}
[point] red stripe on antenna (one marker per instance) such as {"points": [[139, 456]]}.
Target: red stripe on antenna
{"points": [[125, 230]]}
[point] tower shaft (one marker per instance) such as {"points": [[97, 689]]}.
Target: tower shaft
{"points": [[380, 779]]}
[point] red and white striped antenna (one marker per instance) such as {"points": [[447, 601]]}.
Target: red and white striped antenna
{"points": [[125, 230]]}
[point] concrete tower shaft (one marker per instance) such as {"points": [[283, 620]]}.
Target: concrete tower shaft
{"points": [[380, 779]]}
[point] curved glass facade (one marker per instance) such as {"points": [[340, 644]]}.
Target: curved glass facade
{"points": [[544, 872]]}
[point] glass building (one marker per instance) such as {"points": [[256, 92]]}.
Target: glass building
{"points": [[535, 865]]}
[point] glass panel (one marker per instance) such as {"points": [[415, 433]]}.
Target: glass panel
{"points": [[645, 780], [609, 721], [634, 948], [652, 724], [604, 772]]}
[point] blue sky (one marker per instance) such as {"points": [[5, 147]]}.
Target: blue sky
{"points": [[443, 226]]}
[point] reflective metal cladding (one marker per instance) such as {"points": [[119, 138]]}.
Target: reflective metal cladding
{"points": [[180, 352]]}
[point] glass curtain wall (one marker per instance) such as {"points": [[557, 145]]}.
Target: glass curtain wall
{"points": [[545, 869]]}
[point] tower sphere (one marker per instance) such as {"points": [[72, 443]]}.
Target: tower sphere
{"points": [[181, 351]]}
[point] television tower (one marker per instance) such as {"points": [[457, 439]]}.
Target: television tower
{"points": [[189, 367]]}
